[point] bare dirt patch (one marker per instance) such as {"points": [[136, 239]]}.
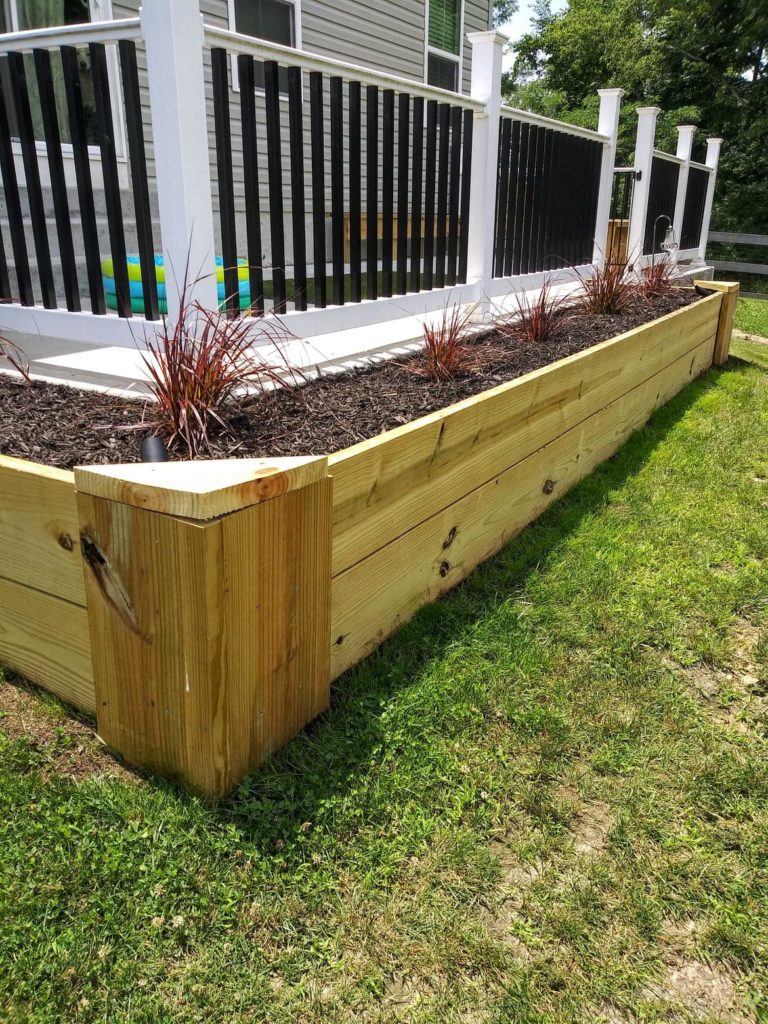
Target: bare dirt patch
{"points": [[70, 746], [704, 991]]}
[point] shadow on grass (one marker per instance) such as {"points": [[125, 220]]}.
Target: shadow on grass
{"points": [[332, 754]]}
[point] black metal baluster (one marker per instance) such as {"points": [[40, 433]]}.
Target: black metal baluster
{"points": [[32, 177], [544, 182], [298, 216], [571, 218], [138, 158], [58, 181], [557, 209], [520, 200], [372, 189], [403, 139], [82, 162], [109, 172], [454, 195], [355, 284], [532, 197], [502, 196], [13, 207], [387, 189], [509, 213], [275, 174], [429, 195], [246, 73], [337, 188], [317, 132], [417, 170], [466, 181], [442, 192], [221, 119]]}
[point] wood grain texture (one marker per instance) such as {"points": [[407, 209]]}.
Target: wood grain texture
{"points": [[46, 640], [385, 486], [210, 640], [39, 543], [378, 594], [201, 489], [730, 295]]}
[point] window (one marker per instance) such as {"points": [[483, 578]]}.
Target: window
{"points": [[21, 15], [277, 21], [444, 43]]}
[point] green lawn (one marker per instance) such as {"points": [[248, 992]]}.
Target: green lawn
{"points": [[752, 316], [545, 800]]}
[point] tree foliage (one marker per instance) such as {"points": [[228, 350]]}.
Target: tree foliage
{"points": [[704, 62]]}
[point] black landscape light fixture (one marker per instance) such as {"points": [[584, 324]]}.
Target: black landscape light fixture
{"points": [[153, 450]]}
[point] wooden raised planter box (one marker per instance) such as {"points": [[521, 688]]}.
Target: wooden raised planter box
{"points": [[201, 610]]}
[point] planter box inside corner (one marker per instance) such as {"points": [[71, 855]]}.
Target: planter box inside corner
{"points": [[201, 610]]}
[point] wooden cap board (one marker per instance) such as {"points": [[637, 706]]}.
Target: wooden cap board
{"points": [[203, 489]]}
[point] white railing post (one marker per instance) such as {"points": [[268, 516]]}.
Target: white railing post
{"points": [[608, 124], [173, 35], [646, 137], [684, 149], [712, 159], [487, 50]]}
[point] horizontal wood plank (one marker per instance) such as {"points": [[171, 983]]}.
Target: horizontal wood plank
{"points": [[385, 486], [378, 594], [39, 533], [45, 639]]}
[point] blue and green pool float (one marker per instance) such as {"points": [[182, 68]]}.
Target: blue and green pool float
{"points": [[137, 290]]}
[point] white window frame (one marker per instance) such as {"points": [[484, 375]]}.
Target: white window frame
{"points": [[232, 26], [457, 58], [101, 10]]}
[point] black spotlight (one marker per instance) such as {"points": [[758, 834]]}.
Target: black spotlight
{"points": [[153, 450]]}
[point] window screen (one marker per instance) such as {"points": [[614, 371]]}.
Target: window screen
{"points": [[442, 72], [266, 19], [444, 25]]}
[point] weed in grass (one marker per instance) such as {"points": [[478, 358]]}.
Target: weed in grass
{"points": [[14, 356], [446, 344], [197, 365], [535, 318], [609, 290]]}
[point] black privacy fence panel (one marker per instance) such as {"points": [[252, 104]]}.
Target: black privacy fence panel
{"points": [[330, 191], [67, 240], [546, 198], [662, 195], [693, 211]]}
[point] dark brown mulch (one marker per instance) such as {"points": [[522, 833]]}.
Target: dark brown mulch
{"points": [[65, 427]]}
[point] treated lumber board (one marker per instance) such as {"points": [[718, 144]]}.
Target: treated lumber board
{"points": [[375, 596], [210, 639], [45, 639], [202, 489], [730, 295], [385, 486], [39, 535]]}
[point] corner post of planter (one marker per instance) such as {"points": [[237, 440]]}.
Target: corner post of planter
{"points": [[487, 52], [646, 137], [685, 133], [608, 125], [208, 598], [730, 292], [174, 38], [712, 160]]}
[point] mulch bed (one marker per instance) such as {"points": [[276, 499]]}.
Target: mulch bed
{"points": [[62, 426]]}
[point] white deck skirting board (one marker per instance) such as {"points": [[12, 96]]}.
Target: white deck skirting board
{"points": [[120, 370]]}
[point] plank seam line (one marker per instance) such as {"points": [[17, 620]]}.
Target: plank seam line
{"points": [[39, 590]]}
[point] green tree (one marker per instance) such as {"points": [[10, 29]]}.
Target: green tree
{"points": [[702, 61]]}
